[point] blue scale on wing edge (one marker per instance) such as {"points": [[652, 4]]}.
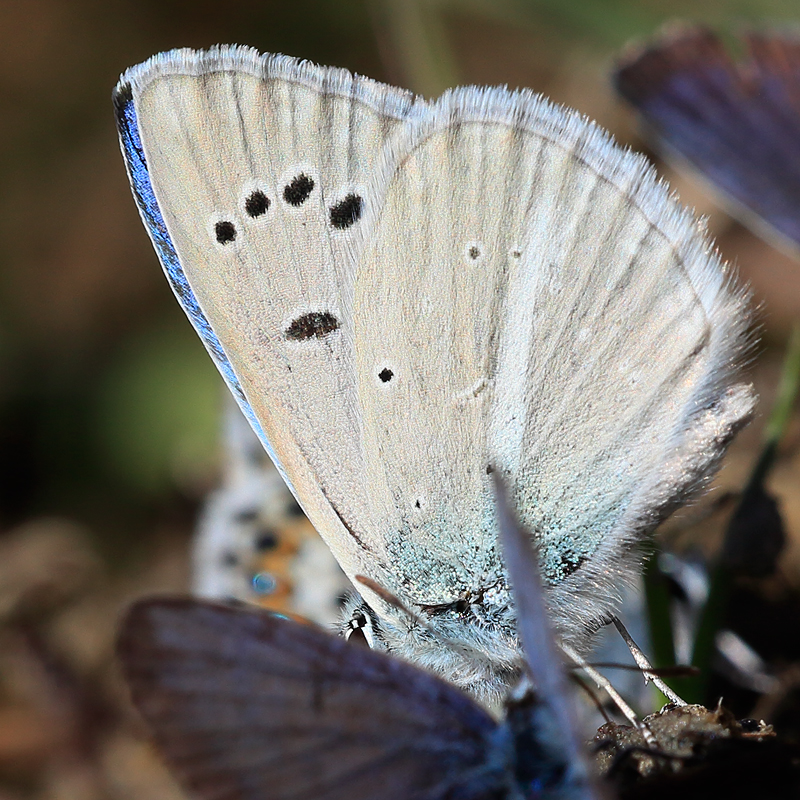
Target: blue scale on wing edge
{"points": [[133, 151]]}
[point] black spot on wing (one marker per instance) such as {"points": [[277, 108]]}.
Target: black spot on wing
{"points": [[297, 191], [256, 204], [225, 232], [313, 325], [267, 540], [347, 212], [386, 374]]}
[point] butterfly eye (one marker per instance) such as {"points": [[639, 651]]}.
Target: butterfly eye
{"points": [[359, 630], [358, 622]]}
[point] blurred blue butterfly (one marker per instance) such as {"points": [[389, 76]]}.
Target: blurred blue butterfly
{"points": [[245, 705]]}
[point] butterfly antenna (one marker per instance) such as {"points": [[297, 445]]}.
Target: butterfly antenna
{"points": [[388, 597], [645, 666]]}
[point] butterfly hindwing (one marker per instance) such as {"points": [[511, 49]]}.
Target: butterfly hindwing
{"points": [[544, 306], [430, 287]]}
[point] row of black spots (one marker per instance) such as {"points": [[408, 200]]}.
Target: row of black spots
{"points": [[255, 205], [343, 214]]}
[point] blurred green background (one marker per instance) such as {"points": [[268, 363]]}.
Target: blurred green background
{"points": [[108, 403]]}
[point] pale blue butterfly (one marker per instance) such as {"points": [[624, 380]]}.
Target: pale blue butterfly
{"points": [[401, 293]]}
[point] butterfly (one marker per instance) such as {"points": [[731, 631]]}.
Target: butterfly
{"points": [[735, 120], [253, 542], [249, 705], [404, 295]]}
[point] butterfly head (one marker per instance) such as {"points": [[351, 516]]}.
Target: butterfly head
{"points": [[469, 641]]}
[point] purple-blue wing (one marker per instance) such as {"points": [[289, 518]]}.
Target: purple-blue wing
{"points": [[553, 720], [737, 122], [244, 705]]}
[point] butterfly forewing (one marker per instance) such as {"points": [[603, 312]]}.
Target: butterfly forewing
{"points": [[248, 706], [258, 167]]}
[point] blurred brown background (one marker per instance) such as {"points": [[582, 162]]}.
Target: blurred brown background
{"points": [[109, 404]]}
